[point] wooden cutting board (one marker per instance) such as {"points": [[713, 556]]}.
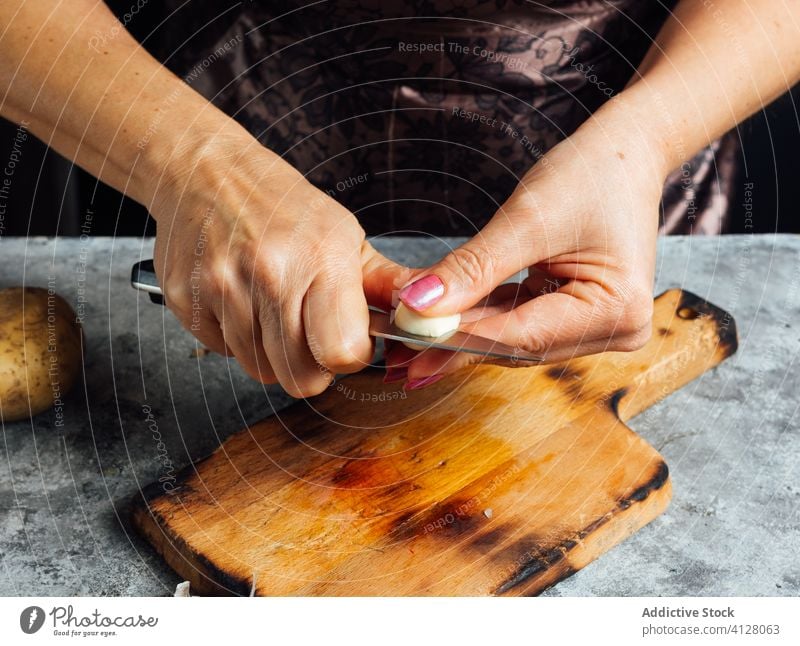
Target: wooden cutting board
{"points": [[492, 481]]}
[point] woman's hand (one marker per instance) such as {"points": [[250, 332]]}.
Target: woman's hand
{"points": [[583, 222], [259, 264]]}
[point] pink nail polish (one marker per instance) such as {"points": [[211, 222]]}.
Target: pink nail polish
{"points": [[394, 375], [416, 384], [422, 293]]}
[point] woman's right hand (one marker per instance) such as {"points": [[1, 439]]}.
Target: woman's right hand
{"points": [[253, 260], [259, 264]]}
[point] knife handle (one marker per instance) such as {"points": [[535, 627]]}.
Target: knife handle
{"points": [[143, 278]]}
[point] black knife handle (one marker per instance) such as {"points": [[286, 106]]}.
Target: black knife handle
{"points": [[143, 278]]}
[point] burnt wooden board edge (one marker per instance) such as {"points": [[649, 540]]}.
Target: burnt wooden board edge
{"points": [[724, 322], [204, 576], [556, 565], [610, 533], [689, 307]]}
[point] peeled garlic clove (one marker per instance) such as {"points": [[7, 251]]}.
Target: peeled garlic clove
{"points": [[432, 326]]}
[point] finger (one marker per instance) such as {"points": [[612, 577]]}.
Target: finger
{"points": [[503, 299], [242, 333], [392, 374], [434, 361], [336, 319], [382, 278], [399, 355], [284, 340], [195, 317], [182, 296], [540, 282], [442, 362], [507, 296], [579, 318], [472, 271], [207, 331]]}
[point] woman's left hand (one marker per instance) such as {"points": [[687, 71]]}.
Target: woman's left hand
{"points": [[584, 223]]}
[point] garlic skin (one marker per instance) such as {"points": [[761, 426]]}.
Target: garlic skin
{"points": [[432, 326]]}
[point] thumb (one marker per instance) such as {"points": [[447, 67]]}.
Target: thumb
{"points": [[470, 272], [382, 277]]}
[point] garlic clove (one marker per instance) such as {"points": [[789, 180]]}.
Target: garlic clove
{"points": [[431, 326]]}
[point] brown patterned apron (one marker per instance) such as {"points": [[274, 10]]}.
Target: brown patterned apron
{"points": [[422, 115]]}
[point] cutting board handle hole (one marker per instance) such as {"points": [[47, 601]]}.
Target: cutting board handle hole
{"points": [[688, 313]]}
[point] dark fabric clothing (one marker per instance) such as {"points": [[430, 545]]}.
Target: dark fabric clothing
{"points": [[422, 115]]}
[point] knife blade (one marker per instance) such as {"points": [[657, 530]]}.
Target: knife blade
{"points": [[381, 325]]}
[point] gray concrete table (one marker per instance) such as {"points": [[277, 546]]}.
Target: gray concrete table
{"points": [[731, 438]]}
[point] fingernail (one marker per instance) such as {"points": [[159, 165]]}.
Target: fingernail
{"points": [[395, 374], [416, 384], [422, 293]]}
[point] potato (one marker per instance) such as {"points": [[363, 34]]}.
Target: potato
{"points": [[40, 352]]}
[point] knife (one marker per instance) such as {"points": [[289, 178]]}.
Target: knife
{"points": [[381, 325]]}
